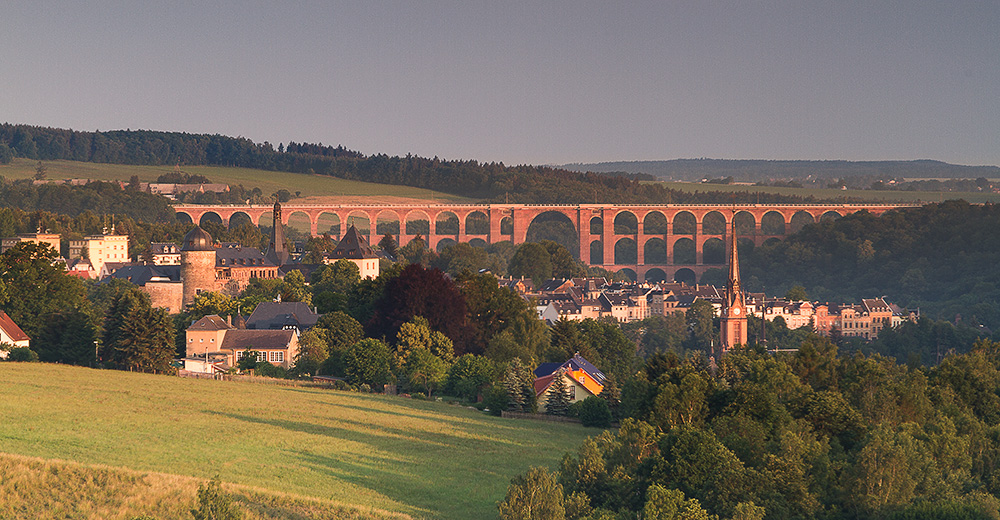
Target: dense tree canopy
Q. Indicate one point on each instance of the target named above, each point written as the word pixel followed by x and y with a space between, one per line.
pixel 418 291
pixel 804 435
pixel 34 286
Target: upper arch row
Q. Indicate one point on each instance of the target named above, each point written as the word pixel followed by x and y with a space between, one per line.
pixel 625 222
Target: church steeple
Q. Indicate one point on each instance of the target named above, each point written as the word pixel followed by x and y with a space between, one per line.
pixel 277 251
pixel 734 317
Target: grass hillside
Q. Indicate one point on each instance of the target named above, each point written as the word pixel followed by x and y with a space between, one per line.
pixel 425 459
pixel 32 488
pixel 268 181
pixel 832 194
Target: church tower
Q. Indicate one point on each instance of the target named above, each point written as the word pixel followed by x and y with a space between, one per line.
pixel 734 311
pixel 277 250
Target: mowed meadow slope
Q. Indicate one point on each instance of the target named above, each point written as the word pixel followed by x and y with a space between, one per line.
pixel 424 459
pixel 268 181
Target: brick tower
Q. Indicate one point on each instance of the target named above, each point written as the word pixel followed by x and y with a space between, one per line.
pixel 197 264
pixel 277 251
pixel 734 311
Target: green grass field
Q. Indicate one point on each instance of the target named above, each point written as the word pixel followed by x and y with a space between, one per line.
pixel 869 195
pixel 268 182
pixel 425 459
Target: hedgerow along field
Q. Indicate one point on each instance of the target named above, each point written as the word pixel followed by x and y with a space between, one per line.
pixel 268 181
pixel 421 458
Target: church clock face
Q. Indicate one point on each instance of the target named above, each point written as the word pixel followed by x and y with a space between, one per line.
pixel 736 311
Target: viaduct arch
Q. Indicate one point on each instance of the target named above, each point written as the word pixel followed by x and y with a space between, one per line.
pixel 648 228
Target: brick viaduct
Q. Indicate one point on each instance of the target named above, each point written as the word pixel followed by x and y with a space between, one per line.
pixel 661 241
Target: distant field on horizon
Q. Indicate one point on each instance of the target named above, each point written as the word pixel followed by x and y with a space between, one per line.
pixel 325 189
pixel 830 193
pixel 268 181
pixel 426 459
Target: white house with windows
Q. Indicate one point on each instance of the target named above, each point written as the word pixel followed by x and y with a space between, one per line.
pixel 11 335
pixel 215 345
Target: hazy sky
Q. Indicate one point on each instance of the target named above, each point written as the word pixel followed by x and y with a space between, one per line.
pixel 538 82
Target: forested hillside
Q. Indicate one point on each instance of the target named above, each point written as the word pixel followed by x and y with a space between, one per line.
pixel 941 258
pixel 468 178
pixel 810 435
pixel 756 170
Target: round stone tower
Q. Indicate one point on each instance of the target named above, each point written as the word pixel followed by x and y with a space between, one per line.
pixel 197 264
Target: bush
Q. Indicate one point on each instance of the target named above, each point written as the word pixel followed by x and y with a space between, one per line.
pixel 344 386
pixel 496 399
pixel 23 354
pixel 574 409
pixel 536 494
pixel 215 504
pixel 594 411
pixel 265 369
pixel 248 361
pixel 419 396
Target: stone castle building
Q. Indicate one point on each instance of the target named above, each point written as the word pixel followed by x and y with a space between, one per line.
pixel 206 266
pixel 228 268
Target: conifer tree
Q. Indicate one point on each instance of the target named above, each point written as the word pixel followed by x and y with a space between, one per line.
pixel 613 395
pixel 513 383
pixel 558 400
pixel 137 336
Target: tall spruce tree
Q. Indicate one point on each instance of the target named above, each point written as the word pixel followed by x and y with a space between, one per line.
pixel 137 336
pixel 613 395
pixel 558 400
pixel 514 384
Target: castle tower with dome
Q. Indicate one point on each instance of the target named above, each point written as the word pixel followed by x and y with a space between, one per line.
pixel 197 264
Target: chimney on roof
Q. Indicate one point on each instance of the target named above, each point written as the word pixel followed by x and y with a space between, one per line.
pixel 229 320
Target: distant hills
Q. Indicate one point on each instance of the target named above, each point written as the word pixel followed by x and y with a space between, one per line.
pixel 751 170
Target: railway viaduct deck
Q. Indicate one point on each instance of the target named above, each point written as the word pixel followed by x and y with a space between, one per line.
pixel 650 240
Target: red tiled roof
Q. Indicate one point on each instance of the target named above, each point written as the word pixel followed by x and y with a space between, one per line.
pixel 542 383
pixel 11 329
pixel 212 322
